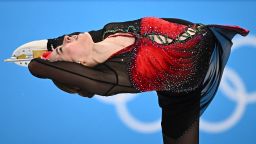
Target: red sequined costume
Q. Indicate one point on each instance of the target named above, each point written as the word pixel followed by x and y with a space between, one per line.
pixel 177 63
pixel 180 60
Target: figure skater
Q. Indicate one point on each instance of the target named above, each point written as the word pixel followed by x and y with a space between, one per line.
pixel 180 60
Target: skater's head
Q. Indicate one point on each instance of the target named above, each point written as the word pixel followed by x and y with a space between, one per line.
pixel 74 48
pixel 55 42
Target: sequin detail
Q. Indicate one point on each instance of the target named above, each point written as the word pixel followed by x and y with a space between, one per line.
pixel 179 66
pixel 165 55
pixel 164 39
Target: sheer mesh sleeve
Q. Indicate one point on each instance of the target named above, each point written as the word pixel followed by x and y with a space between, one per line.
pixel 105 79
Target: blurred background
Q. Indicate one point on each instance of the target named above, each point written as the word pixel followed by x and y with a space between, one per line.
pixel 34 111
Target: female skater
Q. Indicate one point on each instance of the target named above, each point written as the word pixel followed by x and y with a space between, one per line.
pixel 182 61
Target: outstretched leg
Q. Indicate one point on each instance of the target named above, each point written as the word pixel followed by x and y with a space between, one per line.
pixel 190 136
pixel 180 117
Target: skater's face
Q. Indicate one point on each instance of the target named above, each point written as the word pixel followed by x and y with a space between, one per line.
pixel 74 48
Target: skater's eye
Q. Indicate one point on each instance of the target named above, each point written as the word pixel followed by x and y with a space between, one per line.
pixel 59 50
